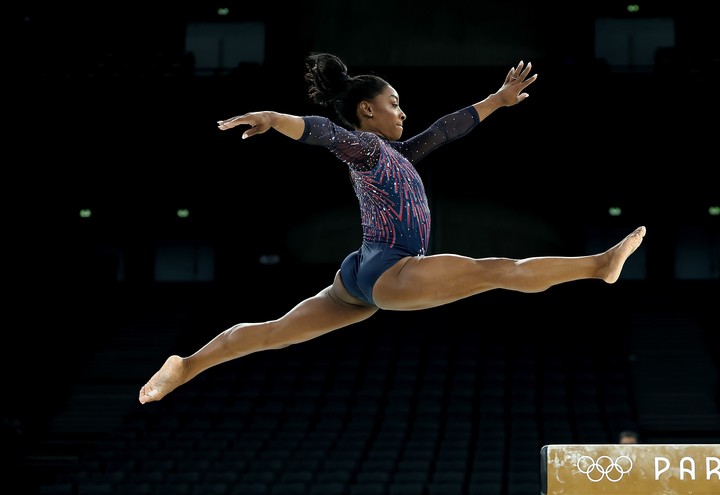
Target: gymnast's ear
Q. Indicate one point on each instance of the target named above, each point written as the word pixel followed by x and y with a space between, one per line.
pixel 365 109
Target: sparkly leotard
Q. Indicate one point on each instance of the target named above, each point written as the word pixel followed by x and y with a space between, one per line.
pixel 394 209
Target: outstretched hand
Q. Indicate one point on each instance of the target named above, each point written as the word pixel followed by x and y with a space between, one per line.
pixel 516 80
pixel 259 122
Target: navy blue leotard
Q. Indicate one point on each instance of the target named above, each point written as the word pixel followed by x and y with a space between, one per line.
pixel 394 210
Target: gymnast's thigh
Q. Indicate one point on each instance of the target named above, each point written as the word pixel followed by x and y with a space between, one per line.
pixel 421 282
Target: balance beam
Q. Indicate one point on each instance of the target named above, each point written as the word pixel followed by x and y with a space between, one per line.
pixel 631 469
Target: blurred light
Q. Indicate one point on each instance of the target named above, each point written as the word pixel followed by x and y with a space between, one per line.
pixel 183 213
pixel 633 8
pixel 714 211
pixel 85 213
pixel 223 11
pixel 269 259
pixel 615 211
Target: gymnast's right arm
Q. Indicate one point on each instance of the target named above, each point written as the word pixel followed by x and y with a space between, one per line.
pixel 291 126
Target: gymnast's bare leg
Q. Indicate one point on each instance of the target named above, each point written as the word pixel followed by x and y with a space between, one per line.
pixel 425 282
pixel 331 309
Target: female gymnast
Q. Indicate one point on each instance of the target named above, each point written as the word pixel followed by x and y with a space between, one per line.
pixel 392 269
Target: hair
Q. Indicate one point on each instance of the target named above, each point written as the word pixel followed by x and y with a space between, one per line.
pixel 329 85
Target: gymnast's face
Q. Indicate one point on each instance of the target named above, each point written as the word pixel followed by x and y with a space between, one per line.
pixel 382 114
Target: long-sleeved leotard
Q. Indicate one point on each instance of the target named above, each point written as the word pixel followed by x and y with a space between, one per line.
pixel 394 209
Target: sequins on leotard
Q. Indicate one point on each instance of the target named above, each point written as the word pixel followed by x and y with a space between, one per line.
pixel 394 207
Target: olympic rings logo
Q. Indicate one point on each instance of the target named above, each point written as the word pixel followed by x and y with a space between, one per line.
pixel 605 467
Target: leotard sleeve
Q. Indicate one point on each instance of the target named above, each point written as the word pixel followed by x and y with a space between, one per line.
pixel 442 131
pixel 359 150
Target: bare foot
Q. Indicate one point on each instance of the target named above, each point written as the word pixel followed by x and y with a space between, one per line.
pixel 167 379
pixel 621 252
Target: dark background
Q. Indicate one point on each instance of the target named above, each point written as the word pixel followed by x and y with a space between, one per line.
pixel 109 111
